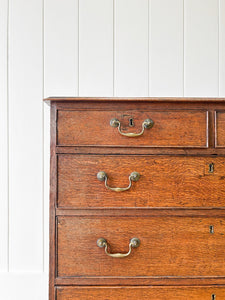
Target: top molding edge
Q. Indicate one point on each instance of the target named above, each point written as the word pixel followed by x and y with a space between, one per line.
pixel 147 99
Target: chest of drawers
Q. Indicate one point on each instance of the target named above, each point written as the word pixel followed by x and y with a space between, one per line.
pixel 137 199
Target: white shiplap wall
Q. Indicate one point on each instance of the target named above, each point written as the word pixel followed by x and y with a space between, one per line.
pixel 85 48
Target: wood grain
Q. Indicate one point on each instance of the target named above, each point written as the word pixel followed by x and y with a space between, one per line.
pixel 171 207
pixel 144 212
pixel 52 205
pixel 132 150
pixel 135 99
pixel 170 246
pixel 145 293
pixel 165 181
pixel 139 104
pixel 140 281
pixel 220 129
pixel 171 128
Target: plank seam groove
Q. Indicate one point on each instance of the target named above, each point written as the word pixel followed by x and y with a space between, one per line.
pixel 8 133
pixel 43 143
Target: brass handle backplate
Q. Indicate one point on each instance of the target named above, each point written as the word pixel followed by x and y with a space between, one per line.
pixel 134 243
pixel 147 124
pixel 102 176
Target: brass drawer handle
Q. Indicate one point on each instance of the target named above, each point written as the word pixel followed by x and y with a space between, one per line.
pixel 134 243
pixel 147 124
pixel 102 176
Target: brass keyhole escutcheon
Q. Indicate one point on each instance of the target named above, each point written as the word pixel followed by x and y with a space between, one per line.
pixel 211 167
pixel 211 229
pixel 131 122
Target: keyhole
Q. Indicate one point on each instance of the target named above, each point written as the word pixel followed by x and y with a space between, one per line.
pixel 211 168
pixel 211 229
pixel 131 122
pixel 213 297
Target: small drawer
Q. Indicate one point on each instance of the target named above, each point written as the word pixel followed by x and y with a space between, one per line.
pixel 172 128
pixel 220 129
pixel 158 246
pixel 165 181
pixel 143 293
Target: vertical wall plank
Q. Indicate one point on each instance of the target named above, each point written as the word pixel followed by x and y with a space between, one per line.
pixel 61 65
pixel 166 48
pixel 61 48
pixel 4 137
pixel 25 136
pixel 131 48
pixel 222 49
pixel 96 47
pixel 201 48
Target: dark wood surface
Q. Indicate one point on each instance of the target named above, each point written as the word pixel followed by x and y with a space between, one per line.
pixel 165 181
pixel 171 211
pixel 140 281
pixel 135 99
pixel 144 293
pixel 148 212
pixel 170 246
pixel 171 128
pixel 220 128
pixel 52 206
pixel 141 151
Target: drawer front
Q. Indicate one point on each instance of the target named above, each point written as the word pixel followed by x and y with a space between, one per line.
pixel 164 181
pixel 144 293
pixel 172 128
pixel 220 129
pixel 169 246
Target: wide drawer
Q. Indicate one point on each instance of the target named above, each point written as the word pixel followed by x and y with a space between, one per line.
pixel 169 246
pixel 144 293
pixel 172 128
pixel 165 181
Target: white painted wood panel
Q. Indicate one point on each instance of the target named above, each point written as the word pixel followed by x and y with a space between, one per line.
pixel 61 47
pixel 201 48
pixel 222 49
pixel 3 137
pixel 131 48
pixel 166 48
pixel 25 136
pixel 21 286
pixel 96 48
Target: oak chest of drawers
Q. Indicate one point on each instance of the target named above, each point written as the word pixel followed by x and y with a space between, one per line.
pixel 137 199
